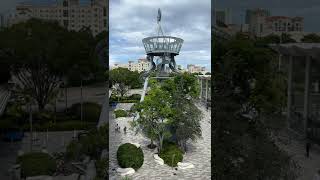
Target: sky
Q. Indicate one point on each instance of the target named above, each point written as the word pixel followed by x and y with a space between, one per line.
pixel 309 9
pixel 130 21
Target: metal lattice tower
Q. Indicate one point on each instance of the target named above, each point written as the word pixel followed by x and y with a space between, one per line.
pixel 162 48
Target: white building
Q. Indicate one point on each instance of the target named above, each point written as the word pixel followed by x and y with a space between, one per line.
pixel 71 14
pixel 191 68
pixel 283 24
pixel 141 65
pixel 261 23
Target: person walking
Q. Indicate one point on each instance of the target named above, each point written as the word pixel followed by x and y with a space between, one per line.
pixel 125 130
pixel 308 145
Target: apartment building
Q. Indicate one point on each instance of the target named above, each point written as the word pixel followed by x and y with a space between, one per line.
pixel 72 14
pixel 195 69
pixel 141 65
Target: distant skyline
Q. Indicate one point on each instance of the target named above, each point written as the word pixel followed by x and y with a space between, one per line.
pixel 131 21
pixel 8 5
pixel 308 9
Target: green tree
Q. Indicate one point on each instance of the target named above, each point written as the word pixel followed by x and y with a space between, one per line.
pixel 123 79
pixel 120 78
pixel 39 62
pixel 155 112
pixel 311 38
pixel 245 80
pixel 186 117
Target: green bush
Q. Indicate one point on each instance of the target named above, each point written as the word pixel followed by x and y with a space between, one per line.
pixel 102 166
pixel 95 141
pixel 91 111
pixel 91 144
pixel 120 113
pixel 36 163
pixel 6 123
pixel 129 156
pixel 69 125
pixel 134 98
pixel 171 154
pixel 73 151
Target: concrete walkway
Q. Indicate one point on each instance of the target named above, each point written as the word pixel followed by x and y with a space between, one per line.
pixel 309 166
pixel 199 154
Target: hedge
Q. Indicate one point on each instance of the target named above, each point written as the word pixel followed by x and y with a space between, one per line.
pixel 129 156
pixel 91 111
pixel 120 113
pixel 68 125
pixel 171 154
pixel 36 163
pixel 134 98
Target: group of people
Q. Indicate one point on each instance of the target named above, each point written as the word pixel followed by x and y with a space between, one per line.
pixel 118 129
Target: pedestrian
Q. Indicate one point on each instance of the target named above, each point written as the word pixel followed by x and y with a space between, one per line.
pixel 125 130
pixel 317 175
pixel 308 148
pixel 116 127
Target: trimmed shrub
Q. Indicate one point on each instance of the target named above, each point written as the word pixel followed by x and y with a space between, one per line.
pixel 69 125
pixel 129 156
pixel 120 113
pixel 91 111
pixel 36 163
pixel 171 154
pixel 135 97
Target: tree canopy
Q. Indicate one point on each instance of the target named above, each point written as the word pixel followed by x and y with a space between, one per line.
pixel 170 106
pixel 246 80
pixel 41 53
pixel 311 38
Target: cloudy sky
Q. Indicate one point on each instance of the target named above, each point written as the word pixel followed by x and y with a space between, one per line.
pixel 309 9
pixel 131 21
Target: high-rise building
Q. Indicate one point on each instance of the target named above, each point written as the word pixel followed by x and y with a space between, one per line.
pixel 256 19
pixel 250 13
pixel 1 21
pixel 223 16
pixel 72 14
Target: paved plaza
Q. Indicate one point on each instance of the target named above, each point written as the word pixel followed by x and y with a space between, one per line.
pixel 296 149
pixel 199 152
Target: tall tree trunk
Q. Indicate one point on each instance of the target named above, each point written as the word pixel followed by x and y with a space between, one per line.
pixel 160 142
pixel 41 106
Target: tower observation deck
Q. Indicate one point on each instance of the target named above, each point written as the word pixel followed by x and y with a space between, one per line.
pixel 163 49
